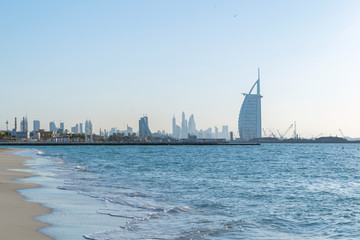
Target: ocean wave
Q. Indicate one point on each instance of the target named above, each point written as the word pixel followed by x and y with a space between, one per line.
pixel 178 210
pixel 40 153
pixel 80 168
pixel 137 194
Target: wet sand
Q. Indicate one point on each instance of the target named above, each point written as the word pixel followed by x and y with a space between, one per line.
pixel 17 216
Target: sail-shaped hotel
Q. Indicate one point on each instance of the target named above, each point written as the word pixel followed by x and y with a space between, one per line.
pixel 250 114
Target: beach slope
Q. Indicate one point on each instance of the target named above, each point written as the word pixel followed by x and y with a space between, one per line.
pixel 17 216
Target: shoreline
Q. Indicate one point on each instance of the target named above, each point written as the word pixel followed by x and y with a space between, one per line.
pixel 128 144
pixel 17 220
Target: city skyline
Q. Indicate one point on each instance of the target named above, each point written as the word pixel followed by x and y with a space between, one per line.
pixel 113 62
pixel 143 130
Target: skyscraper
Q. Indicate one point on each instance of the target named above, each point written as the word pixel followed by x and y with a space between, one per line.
pixel 175 129
pixel 192 125
pixel 184 127
pixel 144 130
pixel 81 128
pixel 88 131
pixel 24 125
pixel 36 125
pixel 52 127
pixel 249 123
pixel 62 126
pixel 225 132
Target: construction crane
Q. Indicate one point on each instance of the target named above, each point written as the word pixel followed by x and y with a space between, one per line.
pixel 295 135
pixel 264 133
pixel 282 135
pixel 341 133
pixel 319 135
pixel 272 133
pixel 287 130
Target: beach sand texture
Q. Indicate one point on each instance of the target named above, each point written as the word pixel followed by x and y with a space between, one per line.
pixel 17 216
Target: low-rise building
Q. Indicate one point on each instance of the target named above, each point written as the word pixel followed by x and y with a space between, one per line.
pixel 43 135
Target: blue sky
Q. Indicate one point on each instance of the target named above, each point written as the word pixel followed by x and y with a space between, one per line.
pixel 113 61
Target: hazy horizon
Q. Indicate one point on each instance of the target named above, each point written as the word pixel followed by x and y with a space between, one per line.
pixel 114 61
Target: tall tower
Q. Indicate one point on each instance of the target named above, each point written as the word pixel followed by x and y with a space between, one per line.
pixel 184 127
pixel 249 123
pixel 192 125
pixel 88 131
pixel 24 125
pixel 174 126
pixel 52 127
pixel 144 130
pixel 36 125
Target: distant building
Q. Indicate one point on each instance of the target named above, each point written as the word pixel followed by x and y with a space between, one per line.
pixel 62 126
pixel 184 127
pixel 225 132
pixel 144 130
pixel 81 128
pixel 36 125
pixel 52 127
pixel 62 139
pixel 22 135
pixel 88 131
pixel 129 130
pixel 249 123
pixel 42 135
pixel 208 133
pixel 24 125
pixel 175 129
pixel 75 129
pixel 112 131
pixel 192 125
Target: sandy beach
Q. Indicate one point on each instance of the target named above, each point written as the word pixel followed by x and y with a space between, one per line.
pixel 17 216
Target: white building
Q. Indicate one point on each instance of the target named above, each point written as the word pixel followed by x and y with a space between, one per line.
pixel 250 114
pixel 88 131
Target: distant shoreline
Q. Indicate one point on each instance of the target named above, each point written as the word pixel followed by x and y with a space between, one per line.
pixel 163 144
pixel 122 144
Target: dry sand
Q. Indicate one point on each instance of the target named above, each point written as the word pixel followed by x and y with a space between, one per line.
pixel 17 216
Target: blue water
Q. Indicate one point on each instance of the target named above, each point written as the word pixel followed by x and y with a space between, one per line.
pixel 272 191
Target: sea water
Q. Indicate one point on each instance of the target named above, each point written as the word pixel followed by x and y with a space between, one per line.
pixel 272 191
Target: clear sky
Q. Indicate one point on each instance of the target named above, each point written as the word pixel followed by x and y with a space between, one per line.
pixel 113 61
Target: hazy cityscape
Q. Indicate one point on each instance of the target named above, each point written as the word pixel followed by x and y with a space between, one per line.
pixel 23 130
pixel 249 130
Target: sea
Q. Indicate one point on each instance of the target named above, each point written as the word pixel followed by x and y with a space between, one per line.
pixel 271 191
